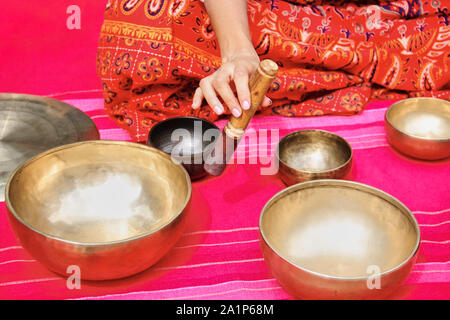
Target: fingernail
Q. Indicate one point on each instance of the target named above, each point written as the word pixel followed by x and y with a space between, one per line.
pixel 236 113
pixel 246 105
pixel 270 101
pixel 218 109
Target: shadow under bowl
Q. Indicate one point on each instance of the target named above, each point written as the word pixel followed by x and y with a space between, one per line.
pixel 111 208
pixel 187 139
pixel 336 239
pixel 419 127
pixel 313 154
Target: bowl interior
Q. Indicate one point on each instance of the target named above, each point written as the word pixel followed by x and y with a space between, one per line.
pixel 426 118
pixel 183 136
pixel 98 191
pixel 314 151
pixel 338 228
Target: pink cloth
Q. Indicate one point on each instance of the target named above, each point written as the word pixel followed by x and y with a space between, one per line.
pixel 219 256
pixel 41 55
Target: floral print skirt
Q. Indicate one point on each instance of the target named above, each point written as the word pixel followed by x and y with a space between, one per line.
pixel 334 56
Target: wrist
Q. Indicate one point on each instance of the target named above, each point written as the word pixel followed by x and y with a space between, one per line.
pixel 235 48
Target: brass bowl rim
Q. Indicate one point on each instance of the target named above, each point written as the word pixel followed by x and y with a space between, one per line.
pixel 352 185
pixel 49 100
pixel 159 124
pixel 386 118
pixel 100 142
pixel 350 158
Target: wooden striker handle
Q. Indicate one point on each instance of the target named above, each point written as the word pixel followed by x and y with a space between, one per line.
pixel 259 85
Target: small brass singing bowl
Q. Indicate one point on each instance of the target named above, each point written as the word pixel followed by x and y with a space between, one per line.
pixel 311 155
pixel 337 239
pixel 419 127
pixel 187 139
pixel 111 208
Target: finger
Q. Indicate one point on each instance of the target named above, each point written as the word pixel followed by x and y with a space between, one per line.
pixel 223 88
pixel 242 90
pixel 210 96
pixel 267 102
pixel 197 99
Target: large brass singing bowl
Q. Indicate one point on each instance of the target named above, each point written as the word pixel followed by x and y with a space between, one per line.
pixel 420 127
pixel 311 155
pixel 111 208
pixel 335 239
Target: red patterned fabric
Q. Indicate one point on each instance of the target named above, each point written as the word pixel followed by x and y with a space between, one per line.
pixel 333 55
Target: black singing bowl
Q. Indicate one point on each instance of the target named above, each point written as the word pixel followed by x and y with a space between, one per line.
pixel 187 139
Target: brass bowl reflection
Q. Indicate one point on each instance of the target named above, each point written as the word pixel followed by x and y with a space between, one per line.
pixel 420 127
pixel 311 155
pixel 111 208
pixel 335 239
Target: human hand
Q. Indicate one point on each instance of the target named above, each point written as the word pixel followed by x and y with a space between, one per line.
pixel 231 77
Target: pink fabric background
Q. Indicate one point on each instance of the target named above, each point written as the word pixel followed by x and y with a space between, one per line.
pixel 40 55
pixel 218 256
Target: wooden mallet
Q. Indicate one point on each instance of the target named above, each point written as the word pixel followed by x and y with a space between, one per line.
pixel 232 133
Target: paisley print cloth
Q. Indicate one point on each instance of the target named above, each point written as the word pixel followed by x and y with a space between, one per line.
pixel 334 56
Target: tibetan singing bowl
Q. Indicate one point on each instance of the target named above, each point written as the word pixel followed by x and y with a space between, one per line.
pixel 313 154
pixel 420 127
pixel 187 139
pixel 111 208
pixel 32 124
pixel 336 239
